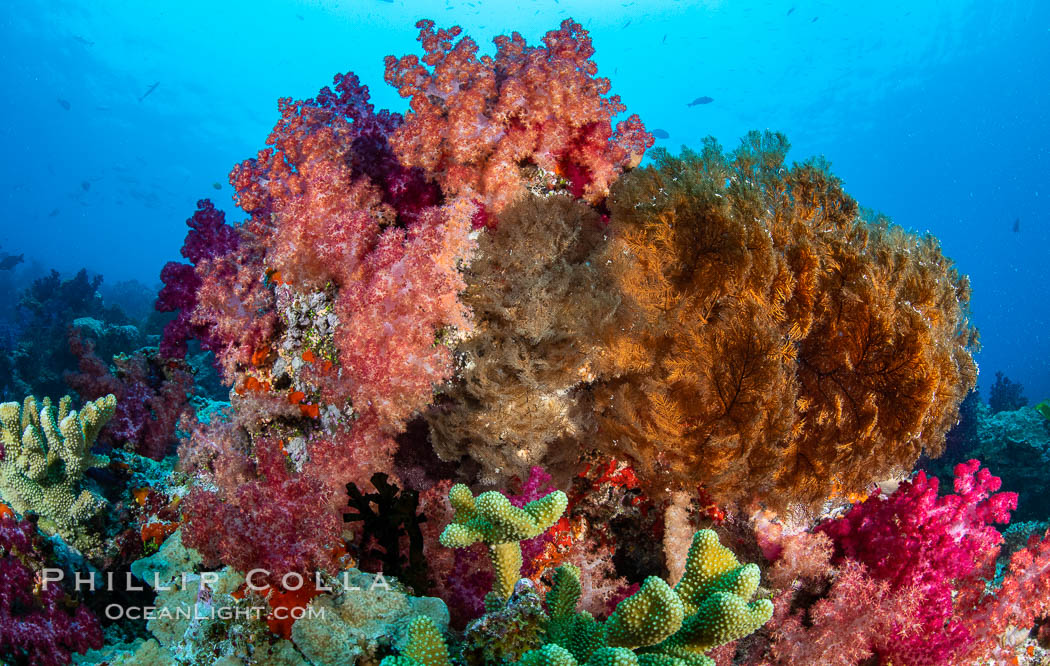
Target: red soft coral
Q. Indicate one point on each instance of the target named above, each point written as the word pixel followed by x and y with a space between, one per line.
pixel 331 206
pixel 261 514
pixel 473 121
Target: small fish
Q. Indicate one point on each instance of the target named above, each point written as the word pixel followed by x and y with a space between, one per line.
pixel 151 89
pixel 627 24
pixel 84 185
pixel 300 17
pixel 660 134
pixel 216 186
pixel 81 40
pixel 814 19
pixel 10 261
pixel 665 40
pixel 64 104
pixel 789 11
pixel 701 100
pixel 1017 225
pixel 53 213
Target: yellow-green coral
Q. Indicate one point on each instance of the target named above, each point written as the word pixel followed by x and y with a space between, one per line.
pixel 656 626
pixel 709 607
pixel 425 646
pixel 491 518
pixel 46 453
pixel 647 617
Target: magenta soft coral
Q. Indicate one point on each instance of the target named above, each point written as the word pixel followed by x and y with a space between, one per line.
pixel 473 121
pixel 915 540
pixel 261 513
pixel 209 237
pixel 38 624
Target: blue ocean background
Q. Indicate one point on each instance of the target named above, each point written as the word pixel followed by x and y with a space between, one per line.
pixel 118 116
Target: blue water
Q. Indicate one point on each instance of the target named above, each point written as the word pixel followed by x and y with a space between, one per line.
pixel 934 113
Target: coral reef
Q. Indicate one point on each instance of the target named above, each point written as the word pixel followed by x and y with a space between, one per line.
pixel 1019 443
pixel 152 395
pixel 709 607
pixel 608 414
pixel 905 577
pixel 929 544
pixel 1005 395
pixel 38 355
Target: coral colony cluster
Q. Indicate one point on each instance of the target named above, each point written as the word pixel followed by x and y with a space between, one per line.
pixel 492 392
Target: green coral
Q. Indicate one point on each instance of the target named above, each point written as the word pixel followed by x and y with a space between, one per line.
pixel 490 518
pixel 45 454
pixel 425 646
pixel 656 626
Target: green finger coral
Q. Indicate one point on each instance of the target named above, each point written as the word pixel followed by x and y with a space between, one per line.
pixel 45 454
pixel 490 518
pixel 656 626
pixel 709 607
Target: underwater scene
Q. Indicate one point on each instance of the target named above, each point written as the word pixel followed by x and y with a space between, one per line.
pixel 537 333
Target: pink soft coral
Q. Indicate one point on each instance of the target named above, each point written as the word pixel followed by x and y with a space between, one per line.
pixel 259 513
pixel 915 540
pixel 859 615
pixel 1021 600
pixel 473 121
pixel 330 205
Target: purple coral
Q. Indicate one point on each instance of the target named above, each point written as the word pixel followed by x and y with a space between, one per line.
pixel 209 237
pixel 36 624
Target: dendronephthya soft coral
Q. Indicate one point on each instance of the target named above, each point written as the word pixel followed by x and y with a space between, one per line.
pixel 474 121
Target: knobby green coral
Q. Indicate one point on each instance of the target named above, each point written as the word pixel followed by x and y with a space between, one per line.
pixel 45 455
pixel 656 626
pixel 425 646
pixel 491 518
